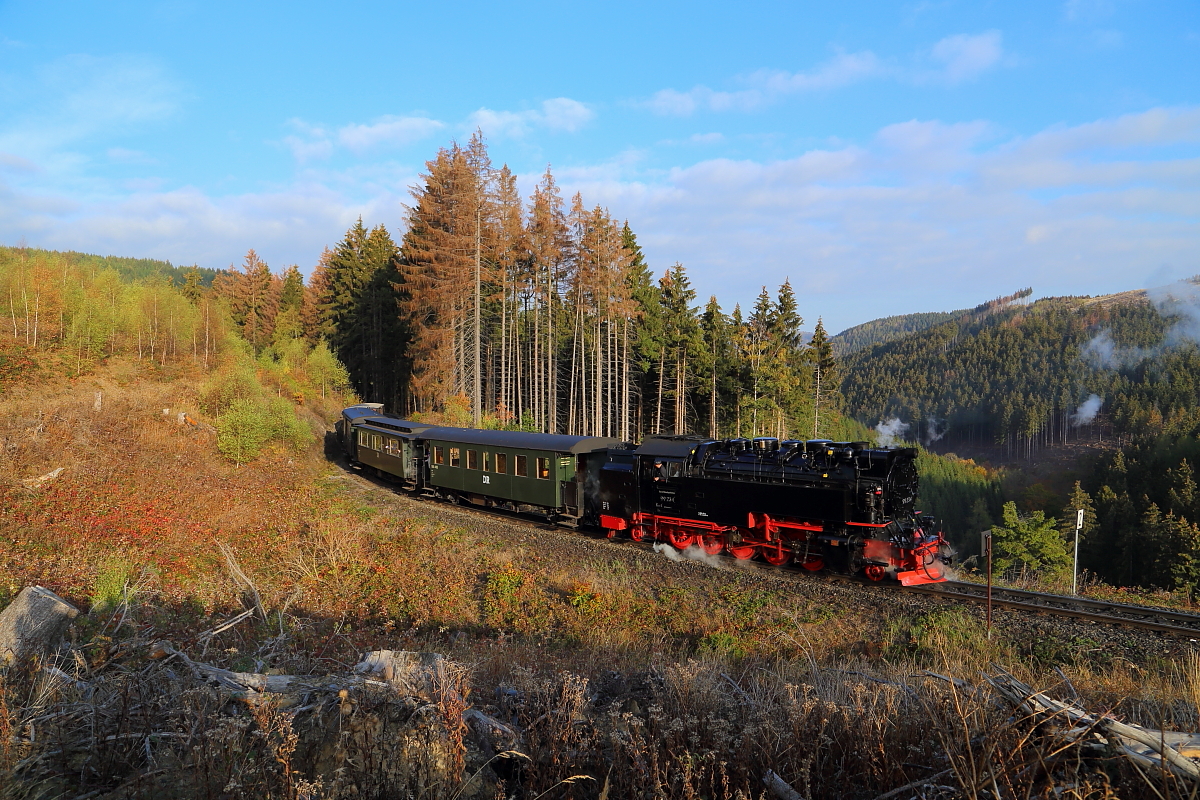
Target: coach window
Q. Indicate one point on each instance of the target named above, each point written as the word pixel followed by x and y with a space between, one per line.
pixel 376 442
pixel 393 447
pixel 362 439
pixel 543 465
pixel 502 463
pixel 439 455
pixel 455 456
pixel 487 461
pixel 522 467
pixel 472 459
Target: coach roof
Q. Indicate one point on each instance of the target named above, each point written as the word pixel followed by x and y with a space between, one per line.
pixel 393 423
pixel 521 441
pixel 363 410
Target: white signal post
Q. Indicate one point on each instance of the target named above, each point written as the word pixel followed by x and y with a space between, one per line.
pixel 1075 567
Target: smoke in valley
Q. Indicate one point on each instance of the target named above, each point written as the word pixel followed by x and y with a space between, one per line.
pixel 934 429
pixel 889 432
pixel 1179 301
pixel 1087 411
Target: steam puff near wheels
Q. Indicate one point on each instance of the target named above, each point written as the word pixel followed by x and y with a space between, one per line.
pixel 816 504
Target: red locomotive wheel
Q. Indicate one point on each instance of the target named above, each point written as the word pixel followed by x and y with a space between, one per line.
pixel 680 540
pixel 637 533
pixel 776 555
pixel 813 565
pixel 712 544
pixel 742 551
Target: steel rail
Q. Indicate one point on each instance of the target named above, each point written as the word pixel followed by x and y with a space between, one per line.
pixel 1176 623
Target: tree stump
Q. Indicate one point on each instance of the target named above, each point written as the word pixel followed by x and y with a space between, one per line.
pixel 32 623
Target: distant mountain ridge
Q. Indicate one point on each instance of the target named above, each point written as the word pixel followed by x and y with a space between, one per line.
pixel 886 329
pixel 1018 374
pixel 128 268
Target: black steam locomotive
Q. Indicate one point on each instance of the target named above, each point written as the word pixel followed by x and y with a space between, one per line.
pixel 842 506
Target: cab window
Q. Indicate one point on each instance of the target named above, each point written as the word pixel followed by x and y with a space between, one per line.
pixel 455 456
pixel 674 469
pixel 472 459
pixel 522 467
pixel 439 455
pixel 543 469
pixel 502 463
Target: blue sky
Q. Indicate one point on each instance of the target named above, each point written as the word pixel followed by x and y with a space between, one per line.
pixel 886 157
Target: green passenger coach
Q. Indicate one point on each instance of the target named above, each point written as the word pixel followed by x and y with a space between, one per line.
pixel 524 471
pixel 389 444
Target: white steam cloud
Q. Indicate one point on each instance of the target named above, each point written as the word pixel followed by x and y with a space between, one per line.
pixel 1087 411
pixel 1180 300
pixel 693 553
pixel 890 431
pixel 934 429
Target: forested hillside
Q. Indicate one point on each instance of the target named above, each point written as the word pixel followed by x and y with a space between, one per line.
pixel 1019 376
pixel 132 269
pixel 887 329
pixel 244 337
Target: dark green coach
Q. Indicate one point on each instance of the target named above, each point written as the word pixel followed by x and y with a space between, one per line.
pixel 521 470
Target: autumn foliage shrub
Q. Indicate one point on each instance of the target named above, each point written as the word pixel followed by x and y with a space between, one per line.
pixel 249 425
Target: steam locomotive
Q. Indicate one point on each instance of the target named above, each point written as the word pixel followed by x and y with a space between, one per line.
pixel 840 506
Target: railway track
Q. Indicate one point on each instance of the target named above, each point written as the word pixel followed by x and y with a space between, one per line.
pixel 1174 623
pixel 1161 620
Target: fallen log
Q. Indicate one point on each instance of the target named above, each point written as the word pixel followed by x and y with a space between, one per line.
pixel 1146 746
pixel 779 787
pixel 33 623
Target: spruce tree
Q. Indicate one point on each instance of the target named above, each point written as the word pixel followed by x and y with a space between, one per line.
pixel 648 332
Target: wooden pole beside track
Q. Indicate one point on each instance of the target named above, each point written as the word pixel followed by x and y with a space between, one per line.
pixel 987 546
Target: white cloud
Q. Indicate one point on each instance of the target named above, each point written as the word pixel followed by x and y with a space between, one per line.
pixel 922 215
pixel 1155 127
pixel 964 57
pixel 317 143
pixel 290 225
pixel 305 150
pixel 928 215
pixel 766 86
pixel 556 114
pixel 78 97
pixel 121 155
pixel 842 70
pixel 956 59
pixel 388 131
pixel 313 142
pixel 12 163
pixel 1088 10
